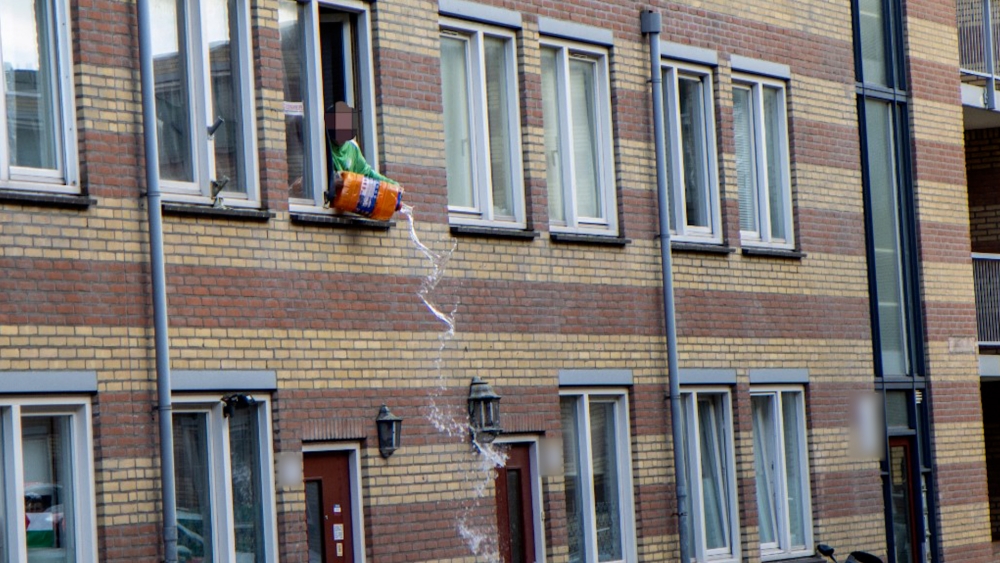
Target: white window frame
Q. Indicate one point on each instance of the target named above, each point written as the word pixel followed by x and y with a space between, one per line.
pixel 357 504
pixel 481 213
pixel 585 466
pixel 220 473
pixel 66 179
pixel 202 146
pixel 672 71
pixel 689 395
pixel 85 510
pixel 314 145
pixel 538 522
pixel 761 189
pixel 782 549
pixel 607 225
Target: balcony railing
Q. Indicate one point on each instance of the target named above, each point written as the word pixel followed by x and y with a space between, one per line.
pixel 986 272
pixel 978 33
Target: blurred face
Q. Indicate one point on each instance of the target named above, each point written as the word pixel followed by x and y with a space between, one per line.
pixel 343 129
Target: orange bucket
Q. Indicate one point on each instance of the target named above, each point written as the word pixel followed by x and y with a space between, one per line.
pixel 367 197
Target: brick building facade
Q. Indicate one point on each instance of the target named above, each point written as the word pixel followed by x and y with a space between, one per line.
pixel 522 133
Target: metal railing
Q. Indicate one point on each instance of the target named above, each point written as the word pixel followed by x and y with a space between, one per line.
pixel 986 273
pixel 978 33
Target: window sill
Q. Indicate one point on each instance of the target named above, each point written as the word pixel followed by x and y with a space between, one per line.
pixel 589 239
pixel 68 201
pixel 185 210
pixel 708 248
pixel 340 221
pixel 493 232
pixel 773 252
pixel 795 559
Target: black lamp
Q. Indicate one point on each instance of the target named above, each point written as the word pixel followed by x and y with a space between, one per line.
pixel 390 429
pixel 484 412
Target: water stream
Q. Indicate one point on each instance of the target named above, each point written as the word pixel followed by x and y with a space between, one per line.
pixel 475 524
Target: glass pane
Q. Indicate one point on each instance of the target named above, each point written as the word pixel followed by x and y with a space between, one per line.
pixel 764 464
pixel 4 545
pixel 30 85
pixel 245 464
pixel 873 59
pixel 173 102
pixel 773 112
pixel 899 470
pixel 606 493
pixel 314 521
pixel 497 89
pixel 553 135
pixel 584 125
pixel 49 498
pixel 897 413
pixel 690 95
pixel 515 516
pixel 669 132
pixel 221 28
pixel 713 472
pixel 888 266
pixel 746 164
pixel 794 429
pixel 457 133
pixel 573 479
pixel 191 474
pixel 290 27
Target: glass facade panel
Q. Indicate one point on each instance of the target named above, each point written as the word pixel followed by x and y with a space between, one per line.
pixel 691 99
pixel 553 134
pixel 886 238
pixel 245 465
pixel 30 65
pixel 49 498
pixel 773 114
pixel 873 57
pixel 497 113
pixel 583 119
pixel 746 166
pixel 573 479
pixel 173 92
pixel 290 26
pixel 606 489
pixel 221 29
pixel 195 529
pixel 457 128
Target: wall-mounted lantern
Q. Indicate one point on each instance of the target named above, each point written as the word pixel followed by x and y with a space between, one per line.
pixel 484 412
pixel 390 429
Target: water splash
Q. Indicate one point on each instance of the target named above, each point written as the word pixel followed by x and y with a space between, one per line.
pixel 475 525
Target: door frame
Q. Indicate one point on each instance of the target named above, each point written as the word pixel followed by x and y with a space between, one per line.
pixel 357 506
pixel 538 523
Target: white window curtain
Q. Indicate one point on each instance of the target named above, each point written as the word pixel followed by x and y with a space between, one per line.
pixel 497 104
pixel 457 126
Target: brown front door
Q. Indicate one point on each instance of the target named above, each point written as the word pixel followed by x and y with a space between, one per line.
pixel 515 510
pixel 328 507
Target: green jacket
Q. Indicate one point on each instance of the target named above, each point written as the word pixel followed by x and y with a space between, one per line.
pixel 347 157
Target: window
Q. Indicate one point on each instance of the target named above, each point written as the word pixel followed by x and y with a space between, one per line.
pixel 708 455
pixel 782 472
pixel 598 477
pixel 577 116
pixel 37 120
pixel 47 499
pixel 481 125
pixel 691 163
pixel 224 481
pixel 203 79
pixel 762 173
pixel 321 70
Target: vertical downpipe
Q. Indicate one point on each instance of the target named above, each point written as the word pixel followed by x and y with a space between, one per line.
pixel 159 284
pixel 651 24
